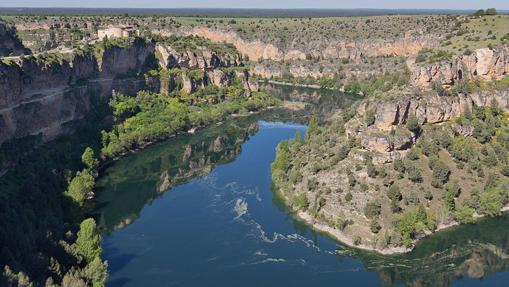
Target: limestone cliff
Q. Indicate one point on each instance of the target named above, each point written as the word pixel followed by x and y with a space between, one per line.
pixel 385 146
pixel 485 63
pixel 335 49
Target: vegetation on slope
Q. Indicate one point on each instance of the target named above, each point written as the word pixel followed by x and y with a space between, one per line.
pixel 444 178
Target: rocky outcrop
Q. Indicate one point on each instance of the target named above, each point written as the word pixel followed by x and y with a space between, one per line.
pixel 387 136
pixel 485 64
pixel 257 49
pixel 199 58
pixel 10 45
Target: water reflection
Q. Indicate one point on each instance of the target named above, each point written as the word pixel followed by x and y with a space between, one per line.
pixel 137 180
pixel 470 251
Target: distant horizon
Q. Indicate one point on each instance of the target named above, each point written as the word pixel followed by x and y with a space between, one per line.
pixel 249 8
pixel 263 4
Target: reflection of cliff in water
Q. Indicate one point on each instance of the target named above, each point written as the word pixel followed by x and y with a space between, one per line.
pixel 321 102
pixel 470 251
pixel 135 181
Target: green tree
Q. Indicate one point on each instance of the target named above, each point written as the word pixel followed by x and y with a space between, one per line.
pixel 89 160
pixel 97 272
pixel 464 214
pixel 88 243
pixel 82 184
pixel 490 202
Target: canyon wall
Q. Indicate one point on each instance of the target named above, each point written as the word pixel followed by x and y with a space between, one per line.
pixel 47 95
pixel 256 50
pixel 39 96
pixel 485 63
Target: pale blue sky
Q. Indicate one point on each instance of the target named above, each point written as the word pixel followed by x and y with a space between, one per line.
pixel 402 4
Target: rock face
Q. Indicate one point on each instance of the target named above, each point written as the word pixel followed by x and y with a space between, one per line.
pixel 10 45
pixel 387 138
pixel 41 96
pixel 256 50
pixel 45 97
pixel 485 63
pixel 199 58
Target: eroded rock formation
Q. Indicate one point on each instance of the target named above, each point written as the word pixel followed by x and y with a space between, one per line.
pixel 256 50
pixel 485 63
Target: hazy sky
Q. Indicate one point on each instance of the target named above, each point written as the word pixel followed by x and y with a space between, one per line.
pixel 408 4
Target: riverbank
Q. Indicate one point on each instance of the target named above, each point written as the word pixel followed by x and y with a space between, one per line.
pixel 317 87
pixel 344 239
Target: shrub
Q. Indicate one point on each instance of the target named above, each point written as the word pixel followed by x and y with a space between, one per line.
pixel 414 174
pixel 413 124
pixel 394 194
pixel 464 214
pixel 301 202
pixel 413 154
pixel 369 118
pixel 375 226
pixel 440 170
pixel 490 202
pixel 373 209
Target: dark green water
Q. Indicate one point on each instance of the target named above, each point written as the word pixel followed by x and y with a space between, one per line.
pixel 199 211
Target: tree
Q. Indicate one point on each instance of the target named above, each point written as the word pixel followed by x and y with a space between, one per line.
pixel 394 194
pixel 373 209
pixel 490 202
pixel 491 11
pixel 80 186
pixel 464 214
pixel 89 160
pixel 312 127
pixel 97 271
pixel 412 222
pixel 479 12
pixel 88 244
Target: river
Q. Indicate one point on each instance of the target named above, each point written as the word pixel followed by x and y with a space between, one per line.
pixel 198 210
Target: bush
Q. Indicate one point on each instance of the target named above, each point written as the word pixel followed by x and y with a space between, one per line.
pixel 373 209
pixel 301 202
pixel 490 202
pixel 394 193
pixel 414 174
pixel 375 226
pixel 413 124
pixel 413 154
pixel 369 118
pixel 440 170
pixel 464 214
